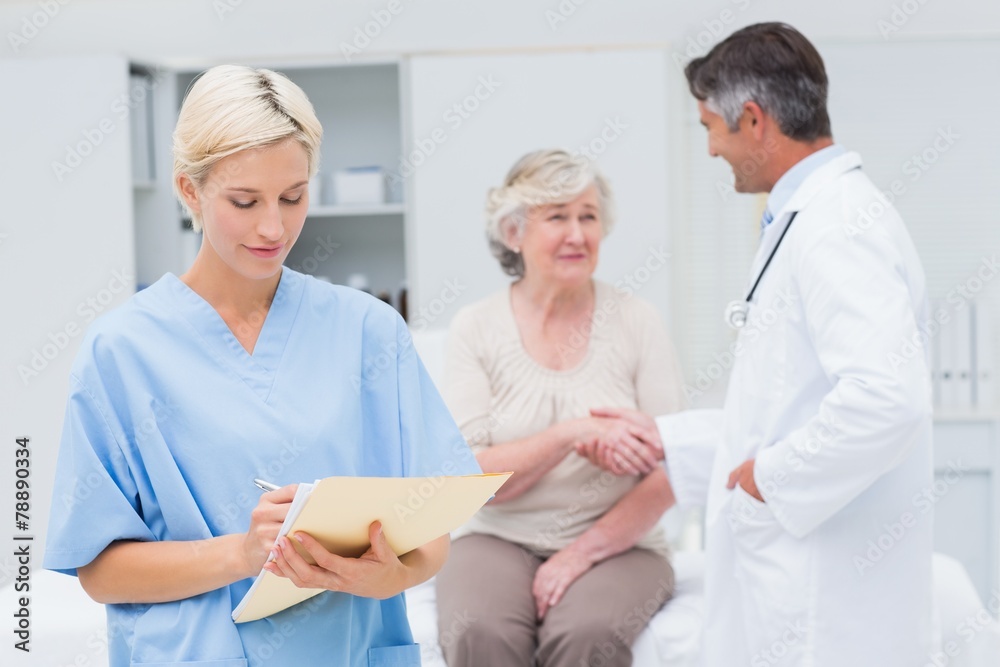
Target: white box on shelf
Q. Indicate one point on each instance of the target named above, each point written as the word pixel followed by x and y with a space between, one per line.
pixel 358 185
pixel 316 190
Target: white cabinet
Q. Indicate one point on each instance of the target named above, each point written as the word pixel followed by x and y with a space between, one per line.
pixel 359 107
pixel 966 496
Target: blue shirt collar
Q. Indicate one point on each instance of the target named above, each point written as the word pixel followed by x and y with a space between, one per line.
pixel 794 177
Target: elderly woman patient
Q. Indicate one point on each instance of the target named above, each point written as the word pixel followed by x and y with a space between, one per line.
pixel 560 567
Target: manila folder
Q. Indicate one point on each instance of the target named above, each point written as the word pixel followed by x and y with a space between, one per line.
pixel 337 511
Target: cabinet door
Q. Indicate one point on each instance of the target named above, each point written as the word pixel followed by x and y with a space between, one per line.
pixel 469 118
pixel 966 497
pixel 66 256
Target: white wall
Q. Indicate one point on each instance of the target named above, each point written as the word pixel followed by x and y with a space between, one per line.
pixel 183 29
pixel 58 270
pixel 609 106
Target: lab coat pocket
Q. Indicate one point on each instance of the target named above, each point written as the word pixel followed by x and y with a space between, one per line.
pixel 772 573
pixel 746 511
pixel 395 656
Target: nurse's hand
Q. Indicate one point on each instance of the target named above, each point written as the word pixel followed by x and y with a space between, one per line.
pixel 265 523
pixel 743 475
pixel 378 573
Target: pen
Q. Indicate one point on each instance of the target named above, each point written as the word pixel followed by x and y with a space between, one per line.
pixel 265 486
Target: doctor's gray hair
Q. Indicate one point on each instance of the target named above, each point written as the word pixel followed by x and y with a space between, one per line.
pixel 549 176
pixel 771 64
pixel 231 108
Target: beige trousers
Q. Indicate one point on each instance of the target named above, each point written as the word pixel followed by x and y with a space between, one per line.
pixel 487 617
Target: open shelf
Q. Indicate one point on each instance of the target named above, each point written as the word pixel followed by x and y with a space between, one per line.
pixel 349 211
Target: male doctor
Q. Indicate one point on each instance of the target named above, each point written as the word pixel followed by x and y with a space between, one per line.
pixel 818 553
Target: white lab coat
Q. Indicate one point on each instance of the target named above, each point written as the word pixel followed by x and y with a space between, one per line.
pixel 835 569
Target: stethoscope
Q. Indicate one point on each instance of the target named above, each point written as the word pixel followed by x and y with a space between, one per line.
pixel 738 311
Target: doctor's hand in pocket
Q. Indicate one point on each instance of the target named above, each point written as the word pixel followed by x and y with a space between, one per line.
pixel 743 475
pixel 627 442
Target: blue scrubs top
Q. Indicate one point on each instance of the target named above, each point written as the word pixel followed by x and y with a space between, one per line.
pixel 170 419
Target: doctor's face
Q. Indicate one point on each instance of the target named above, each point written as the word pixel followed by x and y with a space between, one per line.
pixel 560 241
pixel 740 149
pixel 253 206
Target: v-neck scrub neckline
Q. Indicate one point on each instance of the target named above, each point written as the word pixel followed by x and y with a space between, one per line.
pixel 257 370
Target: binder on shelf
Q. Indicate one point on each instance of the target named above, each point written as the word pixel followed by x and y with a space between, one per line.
pixel 962 359
pixel 946 360
pixel 338 511
pixel 983 360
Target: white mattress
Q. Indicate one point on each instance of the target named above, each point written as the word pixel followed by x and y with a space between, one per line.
pixel 671 639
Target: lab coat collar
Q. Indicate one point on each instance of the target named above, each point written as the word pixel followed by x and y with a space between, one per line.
pixel 791 180
pixel 811 186
pixel 816 181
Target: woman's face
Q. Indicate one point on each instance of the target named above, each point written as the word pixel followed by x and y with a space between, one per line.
pixel 253 206
pixel 560 241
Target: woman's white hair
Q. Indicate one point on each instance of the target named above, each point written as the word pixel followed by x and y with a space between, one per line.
pixel 231 108
pixel 549 176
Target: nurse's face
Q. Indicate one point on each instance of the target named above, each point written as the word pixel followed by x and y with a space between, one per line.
pixel 253 206
pixel 560 241
pixel 742 149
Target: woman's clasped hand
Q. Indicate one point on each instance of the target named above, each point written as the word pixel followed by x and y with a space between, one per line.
pixel 624 442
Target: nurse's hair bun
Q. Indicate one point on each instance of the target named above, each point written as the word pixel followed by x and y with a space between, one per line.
pixel 230 108
pixel 550 176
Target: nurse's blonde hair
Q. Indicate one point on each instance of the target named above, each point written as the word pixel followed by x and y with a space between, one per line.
pixel 230 108
pixel 549 176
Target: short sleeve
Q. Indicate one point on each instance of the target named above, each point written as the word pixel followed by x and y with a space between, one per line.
pixel 467 384
pixel 432 443
pixel 95 499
